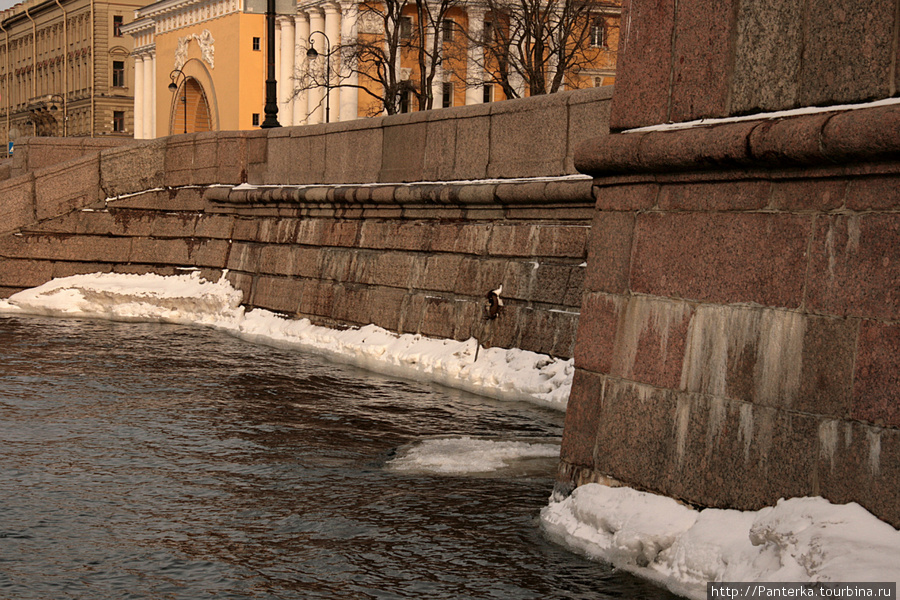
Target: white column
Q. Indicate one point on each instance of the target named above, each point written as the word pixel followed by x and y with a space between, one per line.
pixel 349 74
pixel 286 80
pixel 301 33
pixel 148 97
pixel 153 106
pixel 475 58
pixel 315 98
pixel 437 83
pixel 333 31
pixel 138 97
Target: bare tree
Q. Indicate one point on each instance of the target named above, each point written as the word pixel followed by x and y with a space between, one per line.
pixel 390 31
pixel 535 45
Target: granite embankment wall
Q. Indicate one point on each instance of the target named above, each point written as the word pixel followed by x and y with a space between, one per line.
pixel 739 339
pixel 406 221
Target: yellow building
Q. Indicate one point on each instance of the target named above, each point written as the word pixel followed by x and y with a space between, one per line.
pixel 201 64
pixel 65 69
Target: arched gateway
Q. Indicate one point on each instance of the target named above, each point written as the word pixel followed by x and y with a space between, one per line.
pixel 190 111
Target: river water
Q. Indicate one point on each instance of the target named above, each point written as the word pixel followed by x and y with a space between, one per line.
pixel 162 461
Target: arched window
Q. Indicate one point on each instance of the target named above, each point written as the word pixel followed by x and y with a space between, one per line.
pixel 598 33
pixel 190 109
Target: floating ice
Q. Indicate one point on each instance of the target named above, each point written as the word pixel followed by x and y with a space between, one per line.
pixel 508 374
pixel 463 455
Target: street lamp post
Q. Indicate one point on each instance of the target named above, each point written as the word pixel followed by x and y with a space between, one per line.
pixel 271 107
pixel 312 54
pixel 173 87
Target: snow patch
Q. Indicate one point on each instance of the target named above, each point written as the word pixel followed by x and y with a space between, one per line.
pixel 507 374
pixel 797 540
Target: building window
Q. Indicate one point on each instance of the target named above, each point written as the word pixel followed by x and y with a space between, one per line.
pixel 119 121
pixel 487 33
pixel 406 26
pixel 488 93
pixel 117 25
pixel 118 73
pixel 447 100
pixel 405 101
pixel 256 119
pixel 256 44
pixel 598 33
pixel 447 30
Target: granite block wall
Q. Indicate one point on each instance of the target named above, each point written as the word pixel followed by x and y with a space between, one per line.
pixel 370 221
pixel 739 332
pixel 682 61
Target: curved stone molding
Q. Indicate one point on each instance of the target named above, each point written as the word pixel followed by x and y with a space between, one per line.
pixel 820 139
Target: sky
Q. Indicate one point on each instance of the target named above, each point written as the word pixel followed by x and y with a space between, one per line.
pixel 4 4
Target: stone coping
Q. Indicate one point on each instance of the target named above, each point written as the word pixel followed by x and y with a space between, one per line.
pixel 805 140
pixel 526 191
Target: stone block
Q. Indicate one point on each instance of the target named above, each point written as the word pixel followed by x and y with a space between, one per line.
pixel 650 341
pixel 876 398
pixel 245 229
pixel 860 463
pixel 597 326
pixel 24 273
pixel 296 159
pixel 318 298
pixel 588 118
pixel 244 257
pixel 65 187
pixel 403 152
pixel 124 222
pixel 393 269
pixel 538 331
pixel 722 257
pixel 767 56
pixel 242 282
pixel 793 141
pixel 351 304
pixel 644 65
pixel 826 376
pixel 383 305
pixel 67 269
pixel 353 156
pixel 808 194
pixel 702 61
pixel 627 197
pixel 717 196
pixel 232 158
pixel 335 263
pixel 863 134
pixel 460 238
pixel 873 193
pixel 276 259
pixel 133 168
pixel 157 251
pixel 477 276
pixel 211 254
pixel 214 226
pixel 609 252
pixel 438 318
pixel 441 272
pixel 173 225
pixel 551 283
pixel 17 208
pixel 440 150
pixel 280 294
pixel 513 239
pixel 855 266
pixel 473 147
pixel 518 127
pixel 845 58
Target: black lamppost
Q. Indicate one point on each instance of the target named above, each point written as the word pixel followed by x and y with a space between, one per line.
pixel 312 54
pixel 271 108
pixel 173 87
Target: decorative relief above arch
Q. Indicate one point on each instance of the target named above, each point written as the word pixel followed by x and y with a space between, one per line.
pixel 207 49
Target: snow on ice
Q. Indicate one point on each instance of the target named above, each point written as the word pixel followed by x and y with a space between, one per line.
pixel 800 539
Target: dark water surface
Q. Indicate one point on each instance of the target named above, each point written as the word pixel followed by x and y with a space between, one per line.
pixel 159 461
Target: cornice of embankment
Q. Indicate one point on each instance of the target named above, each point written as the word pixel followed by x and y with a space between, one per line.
pixel 827 138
